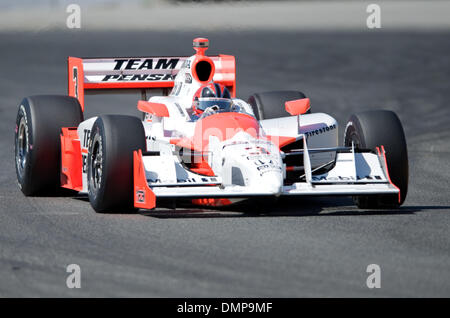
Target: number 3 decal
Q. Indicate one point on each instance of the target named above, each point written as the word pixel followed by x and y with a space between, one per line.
pixel 75 80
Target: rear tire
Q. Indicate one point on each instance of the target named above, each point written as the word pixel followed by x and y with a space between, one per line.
pixel 110 162
pixel 37 140
pixel 371 129
pixel 270 105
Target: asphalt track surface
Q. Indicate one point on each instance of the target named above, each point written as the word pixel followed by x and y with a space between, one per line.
pixel 308 247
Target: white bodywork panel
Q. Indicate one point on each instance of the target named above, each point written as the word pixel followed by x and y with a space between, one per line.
pixel 320 129
pixel 84 131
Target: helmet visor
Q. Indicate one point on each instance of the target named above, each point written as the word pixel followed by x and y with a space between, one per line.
pixel 224 104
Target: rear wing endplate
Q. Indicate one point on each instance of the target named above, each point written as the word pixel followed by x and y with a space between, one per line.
pixel 142 73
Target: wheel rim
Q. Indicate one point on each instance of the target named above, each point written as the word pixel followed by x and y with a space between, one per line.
pixel 96 166
pixel 21 146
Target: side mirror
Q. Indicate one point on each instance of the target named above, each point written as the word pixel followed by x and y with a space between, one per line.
pixel 298 106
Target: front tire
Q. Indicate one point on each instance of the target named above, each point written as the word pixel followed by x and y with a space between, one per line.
pixel 110 161
pixel 371 129
pixel 37 140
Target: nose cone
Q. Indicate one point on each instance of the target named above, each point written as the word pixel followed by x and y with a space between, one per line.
pixel 264 173
pixel 271 182
pixel 258 161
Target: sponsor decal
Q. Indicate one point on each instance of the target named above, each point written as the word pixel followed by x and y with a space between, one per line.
pixel 320 130
pixel 140 196
pixel 176 89
pixel 146 64
pixel 137 77
pixel 137 64
pixel 75 80
pixel 87 134
pixel 187 180
pixel 259 142
pixel 265 164
pixel 348 178
pixel 84 161
pixel 187 64
pixel 86 138
pixel 188 78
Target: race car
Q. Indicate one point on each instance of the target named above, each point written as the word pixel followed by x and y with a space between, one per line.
pixel 197 141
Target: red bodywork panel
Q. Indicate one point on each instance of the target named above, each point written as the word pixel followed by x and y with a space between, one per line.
pixel 223 126
pixel 76 79
pixel 298 106
pixel 156 109
pixel 71 161
pixel 144 197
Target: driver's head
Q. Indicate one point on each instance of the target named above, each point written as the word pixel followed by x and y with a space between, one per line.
pixel 212 94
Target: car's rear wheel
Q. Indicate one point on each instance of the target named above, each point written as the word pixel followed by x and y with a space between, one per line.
pixel 371 129
pixel 37 140
pixel 110 161
pixel 270 105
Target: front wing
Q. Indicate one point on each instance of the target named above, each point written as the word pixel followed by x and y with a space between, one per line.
pixel 353 173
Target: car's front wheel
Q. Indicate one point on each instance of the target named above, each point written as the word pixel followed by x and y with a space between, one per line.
pixel 371 129
pixel 110 161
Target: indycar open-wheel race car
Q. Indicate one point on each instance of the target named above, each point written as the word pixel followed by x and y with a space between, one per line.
pixel 225 151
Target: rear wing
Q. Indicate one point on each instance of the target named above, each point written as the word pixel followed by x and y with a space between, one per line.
pixel 141 73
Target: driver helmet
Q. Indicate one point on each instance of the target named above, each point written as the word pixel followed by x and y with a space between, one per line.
pixel 212 94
